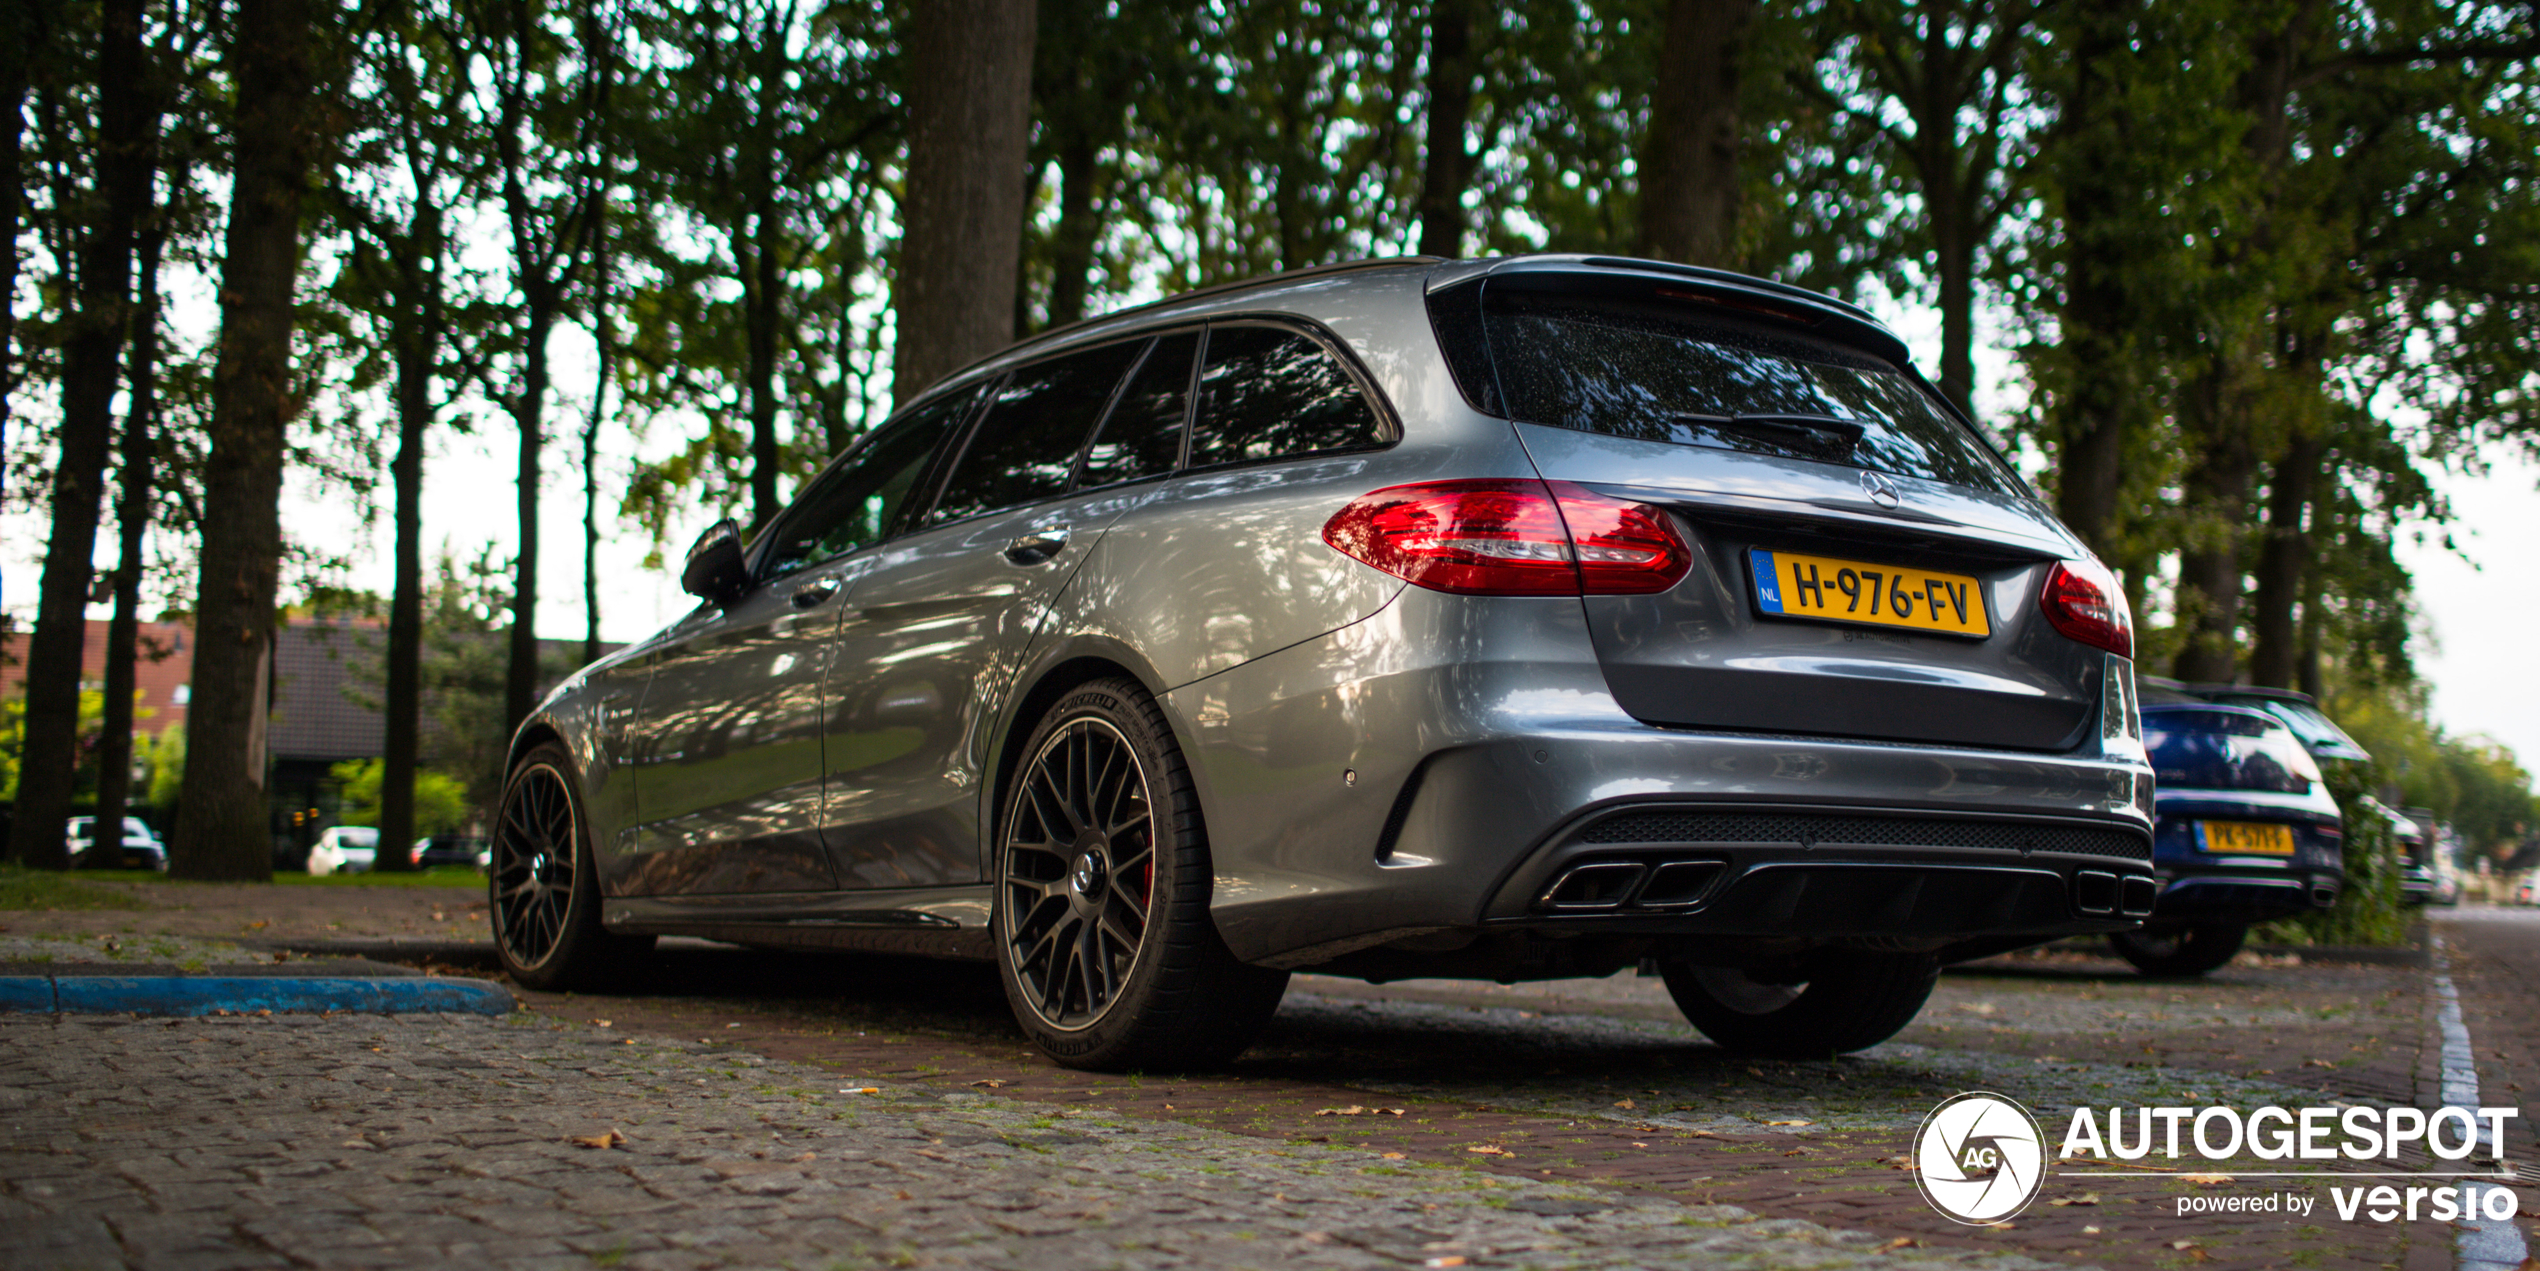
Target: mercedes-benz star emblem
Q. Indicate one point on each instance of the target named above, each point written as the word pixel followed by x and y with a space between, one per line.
pixel 1881 490
pixel 1979 1158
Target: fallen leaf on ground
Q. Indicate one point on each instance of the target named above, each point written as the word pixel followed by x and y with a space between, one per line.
pixel 1393 1156
pixel 1354 1110
pixel 860 1090
pixel 2205 1180
pixel 1796 1151
pixel 2090 1231
pixel 604 1023
pixel 609 1138
pixel 2182 1244
pixel 1455 1261
pixel 989 1082
pixel 1790 1123
pixel 2317 1063
pixel 1903 1242
pixel 2091 1199
pixel 1491 1149
pixel 1625 1104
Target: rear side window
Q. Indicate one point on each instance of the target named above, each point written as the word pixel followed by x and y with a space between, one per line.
pixel 1270 393
pixel 1143 436
pixel 1655 373
pixel 858 502
pixel 2227 749
pixel 1025 447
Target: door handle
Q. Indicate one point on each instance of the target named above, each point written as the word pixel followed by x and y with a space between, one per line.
pixel 810 594
pixel 1037 546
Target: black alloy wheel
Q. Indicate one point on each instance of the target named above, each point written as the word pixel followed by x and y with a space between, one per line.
pixel 544 886
pixel 1080 872
pixel 1103 936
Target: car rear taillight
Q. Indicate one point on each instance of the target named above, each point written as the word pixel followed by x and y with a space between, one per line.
pixel 1511 538
pixel 2083 601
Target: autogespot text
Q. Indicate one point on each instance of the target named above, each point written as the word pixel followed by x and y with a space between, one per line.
pixel 2342 1134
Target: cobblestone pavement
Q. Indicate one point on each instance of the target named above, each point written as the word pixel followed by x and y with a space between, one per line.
pixel 1597 1089
pixel 341 1142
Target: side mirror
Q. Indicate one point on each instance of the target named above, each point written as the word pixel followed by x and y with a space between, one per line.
pixel 716 570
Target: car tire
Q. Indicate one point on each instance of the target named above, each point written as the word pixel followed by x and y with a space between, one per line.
pixel 1103 938
pixel 544 891
pixel 1849 1002
pixel 2192 950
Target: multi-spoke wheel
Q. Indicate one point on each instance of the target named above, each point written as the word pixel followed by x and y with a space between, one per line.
pixel 1102 926
pixel 544 886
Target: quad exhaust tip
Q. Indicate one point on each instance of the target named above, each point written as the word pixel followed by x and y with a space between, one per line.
pixel 1608 886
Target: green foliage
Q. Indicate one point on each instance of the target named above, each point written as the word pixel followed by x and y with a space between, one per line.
pixel 441 802
pixel 24 889
pixel 2368 911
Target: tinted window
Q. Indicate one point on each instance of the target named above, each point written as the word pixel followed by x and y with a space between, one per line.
pixel 2225 749
pixel 1657 374
pixel 856 503
pixel 1025 448
pixel 1273 394
pixel 1143 436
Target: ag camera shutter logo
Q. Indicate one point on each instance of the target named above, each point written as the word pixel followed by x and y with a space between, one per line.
pixel 1979 1158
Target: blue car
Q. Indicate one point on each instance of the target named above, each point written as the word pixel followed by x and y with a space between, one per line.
pixel 2246 832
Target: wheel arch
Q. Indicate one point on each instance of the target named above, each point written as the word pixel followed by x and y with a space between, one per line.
pixel 1055 672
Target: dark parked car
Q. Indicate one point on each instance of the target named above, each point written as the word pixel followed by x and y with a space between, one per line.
pixel 2247 833
pixel 1511 619
pixel 451 849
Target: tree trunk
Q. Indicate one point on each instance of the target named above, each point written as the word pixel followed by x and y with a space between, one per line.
pixel 2209 568
pixel 604 339
pixel 418 348
pixel 132 516
pixel 520 678
pixel 92 356
pixel 23 30
pixel 2283 559
pixel 222 827
pixel 764 298
pixel 969 107
pixel 1072 245
pixel 1448 167
pixel 1688 168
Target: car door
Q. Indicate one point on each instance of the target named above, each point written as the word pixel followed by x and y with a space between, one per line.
pixel 728 743
pixel 937 627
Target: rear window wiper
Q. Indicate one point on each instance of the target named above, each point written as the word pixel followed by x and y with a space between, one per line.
pixel 1793 436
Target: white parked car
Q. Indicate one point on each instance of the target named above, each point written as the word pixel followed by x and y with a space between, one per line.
pixel 141 846
pixel 2527 892
pixel 344 849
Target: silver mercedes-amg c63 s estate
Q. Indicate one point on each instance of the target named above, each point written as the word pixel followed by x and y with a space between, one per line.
pixel 1503 619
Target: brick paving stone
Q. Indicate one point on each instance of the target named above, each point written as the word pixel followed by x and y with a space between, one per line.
pixel 1009 1182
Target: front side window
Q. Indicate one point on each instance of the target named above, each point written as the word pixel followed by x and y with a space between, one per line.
pixel 1272 393
pixel 1024 449
pixel 856 504
pixel 1659 373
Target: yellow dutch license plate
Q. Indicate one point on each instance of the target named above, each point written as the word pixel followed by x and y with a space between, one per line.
pixel 1789 585
pixel 2242 838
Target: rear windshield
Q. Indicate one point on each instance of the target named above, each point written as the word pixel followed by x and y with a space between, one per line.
pixel 1655 373
pixel 2226 749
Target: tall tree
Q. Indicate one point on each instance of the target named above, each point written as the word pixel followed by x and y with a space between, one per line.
pixel 1939 86
pixel 1689 181
pixel 547 81
pixel 276 139
pixel 1447 165
pixel 969 90
pixel 25 28
pixel 135 487
pixel 92 355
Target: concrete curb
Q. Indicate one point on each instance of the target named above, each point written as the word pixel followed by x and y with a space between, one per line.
pixel 206 994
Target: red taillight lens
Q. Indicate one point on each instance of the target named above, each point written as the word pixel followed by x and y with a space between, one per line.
pixel 2083 601
pixel 1510 538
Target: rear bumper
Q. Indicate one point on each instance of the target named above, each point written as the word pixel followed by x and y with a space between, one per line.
pixel 1393 781
pixel 2245 895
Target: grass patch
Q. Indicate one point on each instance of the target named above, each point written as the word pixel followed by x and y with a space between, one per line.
pixel 23 888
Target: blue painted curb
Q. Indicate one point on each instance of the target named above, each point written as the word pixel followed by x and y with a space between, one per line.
pixel 205 994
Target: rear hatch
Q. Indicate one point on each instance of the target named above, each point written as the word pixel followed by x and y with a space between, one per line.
pixel 1865 564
